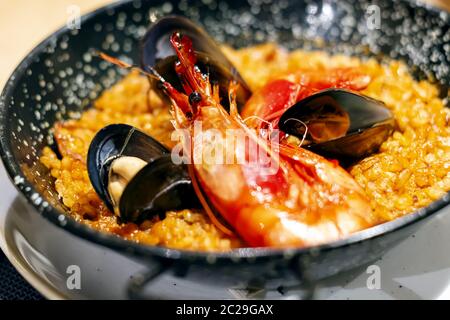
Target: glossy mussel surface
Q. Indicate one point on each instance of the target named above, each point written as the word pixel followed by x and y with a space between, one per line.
pixel 339 123
pixel 158 184
pixel 158 53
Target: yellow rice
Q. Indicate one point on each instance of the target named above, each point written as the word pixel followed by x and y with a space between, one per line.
pixel 411 170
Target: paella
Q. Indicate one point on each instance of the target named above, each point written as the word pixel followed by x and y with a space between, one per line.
pixel 316 195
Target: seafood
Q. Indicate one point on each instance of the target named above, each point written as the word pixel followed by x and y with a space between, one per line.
pixel 339 123
pixel 333 122
pixel 157 53
pixel 134 175
pixel 307 200
pixel 270 102
pixel 407 173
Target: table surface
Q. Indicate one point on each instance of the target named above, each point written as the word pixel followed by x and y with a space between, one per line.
pixel 12 285
pixel 23 24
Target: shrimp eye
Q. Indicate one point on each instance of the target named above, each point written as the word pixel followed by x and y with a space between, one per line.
pixel 195 98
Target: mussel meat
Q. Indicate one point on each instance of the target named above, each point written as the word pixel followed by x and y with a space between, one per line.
pixel 157 52
pixel 135 176
pixel 339 123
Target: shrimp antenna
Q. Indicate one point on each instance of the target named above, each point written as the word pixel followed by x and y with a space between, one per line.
pixel 156 74
pixel 269 124
pixel 125 65
pixel 234 74
pixel 304 124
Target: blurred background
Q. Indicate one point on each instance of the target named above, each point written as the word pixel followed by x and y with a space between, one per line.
pixel 24 23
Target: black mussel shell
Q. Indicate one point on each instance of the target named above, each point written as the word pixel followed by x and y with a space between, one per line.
pixel 160 186
pixel 114 141
pixel 157 52
pixel 219 75
pixel 341 123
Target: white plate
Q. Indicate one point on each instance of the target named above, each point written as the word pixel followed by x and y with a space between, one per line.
pixel 418 268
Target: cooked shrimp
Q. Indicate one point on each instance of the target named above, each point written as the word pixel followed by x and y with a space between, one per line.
pixel 270 102
pixel 295 199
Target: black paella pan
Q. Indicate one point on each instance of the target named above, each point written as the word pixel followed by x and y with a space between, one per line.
pixel 62 76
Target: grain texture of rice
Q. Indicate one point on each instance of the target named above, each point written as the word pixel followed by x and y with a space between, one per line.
pixel 411 169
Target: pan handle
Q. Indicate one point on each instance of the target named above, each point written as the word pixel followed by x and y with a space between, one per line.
pixel 135 287
pixel 301 268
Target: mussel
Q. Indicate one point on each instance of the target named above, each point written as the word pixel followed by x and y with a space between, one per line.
pixel 157 52
pixel 135 176
pixel 339 123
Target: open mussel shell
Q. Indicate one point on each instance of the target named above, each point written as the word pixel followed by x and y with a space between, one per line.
pixel 160 186
pixel 339 123
pixel 157 52
pixel 114 141
pixel 218 75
